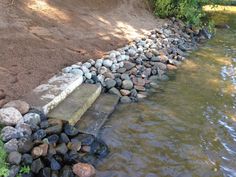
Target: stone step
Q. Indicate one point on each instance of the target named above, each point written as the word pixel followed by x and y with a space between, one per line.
pixel 76 104
pixel 47 96
pixel 92 121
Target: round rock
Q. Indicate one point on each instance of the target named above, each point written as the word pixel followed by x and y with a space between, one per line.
pixel 9 116
pixel 11 145
pixel 14 158
pixel 84 170
pixel 21 106
pixel 127 84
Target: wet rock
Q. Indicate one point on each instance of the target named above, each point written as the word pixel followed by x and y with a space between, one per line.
pixel 45 172
pixel 39 134
pixel 55 165
pixel 53 139
pixel 66 171
pixel 64 138
pixel 70 130
pixel 27 159
pixel 114 91
pixel 74 145
pixel 32 119
pixel 100 149
pixel 11 145
pixel 85 139
pixel 9 116
pixel 13 171
pixel 9 133
pixel 14 158
pixel 21 106
pixel 61 149
pixel 127 84
pixel 84 170
pixel 37 165
pixel 125 99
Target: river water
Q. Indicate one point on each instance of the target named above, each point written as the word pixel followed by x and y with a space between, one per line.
pixel 185 128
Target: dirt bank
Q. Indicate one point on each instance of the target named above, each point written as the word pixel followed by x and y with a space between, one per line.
pixel 39 37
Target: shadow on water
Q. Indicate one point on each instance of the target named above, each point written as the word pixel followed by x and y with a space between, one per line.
pixel 187 129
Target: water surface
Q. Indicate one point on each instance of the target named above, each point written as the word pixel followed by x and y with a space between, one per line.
pixel 185 128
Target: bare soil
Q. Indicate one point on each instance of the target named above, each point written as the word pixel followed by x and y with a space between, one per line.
pixel 39 37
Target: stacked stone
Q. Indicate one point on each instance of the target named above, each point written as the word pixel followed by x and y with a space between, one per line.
pixel 49 147
pixel 129 71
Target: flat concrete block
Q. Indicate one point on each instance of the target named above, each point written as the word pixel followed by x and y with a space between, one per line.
pixel 92 121
pixel 47 96
pixel 76 104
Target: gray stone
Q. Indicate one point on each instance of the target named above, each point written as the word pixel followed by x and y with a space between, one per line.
pixel 131 52
pixel 155 59
pixel 125 99
pixel 36 166
pixel 127 84
pixel 77 72
pixel 14 158
pixel 11 145
pixel 88 75
pixel 14 170
pixel 102 70
pixel 67 69
pixel 107 63
pixel 9 116
pixel 23 129
pixel 85 69
pixel 9 133
pixel 115 91
pixel 121 70
pixel 110 83
pixel 87 65
pixel 32 119
pixel 125 76
pixel 98 65
pixel 25 145
pixel 128 65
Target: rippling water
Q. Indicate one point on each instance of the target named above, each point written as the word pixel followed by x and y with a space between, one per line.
pixel 188 126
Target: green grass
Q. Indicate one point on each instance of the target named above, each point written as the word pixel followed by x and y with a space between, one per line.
pixel 4 170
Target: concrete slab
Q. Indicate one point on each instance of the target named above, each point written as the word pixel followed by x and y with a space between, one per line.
pixel 76 104
pixel 92 121
pixel 47 96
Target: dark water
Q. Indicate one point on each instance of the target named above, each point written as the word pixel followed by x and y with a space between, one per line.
pixel 188 126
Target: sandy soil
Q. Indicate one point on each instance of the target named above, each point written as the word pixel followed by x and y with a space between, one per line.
pixel 39 37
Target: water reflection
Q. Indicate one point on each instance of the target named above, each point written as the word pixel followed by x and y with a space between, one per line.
pixel 187 127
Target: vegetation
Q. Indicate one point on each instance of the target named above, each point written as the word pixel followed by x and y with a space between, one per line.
pixel 23 170
pixel 4 171
pixel 190 11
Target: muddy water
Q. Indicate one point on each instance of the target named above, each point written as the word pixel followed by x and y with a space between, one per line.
pixel 187 127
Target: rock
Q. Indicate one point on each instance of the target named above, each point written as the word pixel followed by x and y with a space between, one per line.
pixel 88 75
pixel 66 171
pixel 32 119
pixel 23 129
pixel 141 95
pixel 125 92
pixel 51 150
pixel 127 84
pixel 121 70
pixel 125 76
pixel 89 158
pixel 84 69
pixel 131 52
pixel 9 133
pixel 110 83
pixel 70 130
pixel 61 149
pixel 125 99
pixel 53 139
pixel 55 165
pixel 54 129
pixel 40 150
pixel 118 82
pixel 86 149
pixel 64 138
pixel 139 88
pixel 9 116
pixel 77 71
pixel 161 66
pixel 45 172
pixel 42 116
pixel 37 165
pixel 55 174
pixel 74 146
pixel 99 148
pixel 25 145
pixel 133 93
pixel 84 170
pixel 44 124
pixel 39 134
pixel 11 145
pixel 114 91
pixel 128 65
pixel 72 157
pixel 14 170
pixel 85 139
pixel 107 63
pixel 109 74
pixel 14 158
pixel 27 159
pixel 139 81
pixel 87 65
pixel 21 106
pixel 155 59
pixel 149 55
